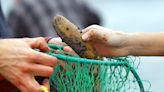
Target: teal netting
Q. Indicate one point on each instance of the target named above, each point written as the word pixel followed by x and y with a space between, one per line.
pixel 88 75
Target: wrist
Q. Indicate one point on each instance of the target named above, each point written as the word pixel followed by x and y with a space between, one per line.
pixel 146 44
pixel 127 44
pixel 119 39
pixel 130 43
pixel 120 42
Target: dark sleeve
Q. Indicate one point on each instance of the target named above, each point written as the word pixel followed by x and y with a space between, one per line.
pixel 4 29
pixel 17 23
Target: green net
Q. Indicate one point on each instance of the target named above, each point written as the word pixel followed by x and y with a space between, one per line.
pixel 89 75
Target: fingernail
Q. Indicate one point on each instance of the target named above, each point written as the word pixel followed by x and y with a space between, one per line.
pixel 85 37
pixel 47 48
pixel 48 38
pixel 55 61
pixel 67 49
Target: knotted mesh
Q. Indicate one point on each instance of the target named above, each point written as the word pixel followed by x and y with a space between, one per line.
pixel 89 75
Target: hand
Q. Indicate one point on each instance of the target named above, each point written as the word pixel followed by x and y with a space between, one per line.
pixel 19 63
pixel 58 41
pixel 106 42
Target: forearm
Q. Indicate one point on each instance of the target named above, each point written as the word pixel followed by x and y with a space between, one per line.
pixel 146 43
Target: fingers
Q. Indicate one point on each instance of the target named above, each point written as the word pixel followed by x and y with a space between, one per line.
pixel 95 33
pixel 26 83
pixel 32 85
pixel 40 70
pixel 56 40
pixel 38 42
pixel 90 27
pixel 41 58
pixel 90 34
pixel 48 38
pixel 68 49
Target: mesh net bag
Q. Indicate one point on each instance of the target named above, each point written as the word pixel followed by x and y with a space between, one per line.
pixel 90 75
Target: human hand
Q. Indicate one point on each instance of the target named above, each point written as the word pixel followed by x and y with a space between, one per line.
pixel 19 63
pixel 58 41
pixel 106 42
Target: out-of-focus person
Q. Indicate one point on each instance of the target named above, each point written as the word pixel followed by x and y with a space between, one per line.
pixel 31 18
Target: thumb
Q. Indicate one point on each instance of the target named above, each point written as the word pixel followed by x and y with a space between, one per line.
pixel 88 35
pixel 91 35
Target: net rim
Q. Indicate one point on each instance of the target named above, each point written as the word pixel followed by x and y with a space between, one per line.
pixel 93 61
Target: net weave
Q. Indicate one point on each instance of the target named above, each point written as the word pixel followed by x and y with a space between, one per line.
pixel 89 75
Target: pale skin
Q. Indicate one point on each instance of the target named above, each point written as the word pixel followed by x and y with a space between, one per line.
pixel 108 42
pixel 19 62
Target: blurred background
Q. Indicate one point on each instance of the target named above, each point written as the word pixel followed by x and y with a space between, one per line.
pixel 124 15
